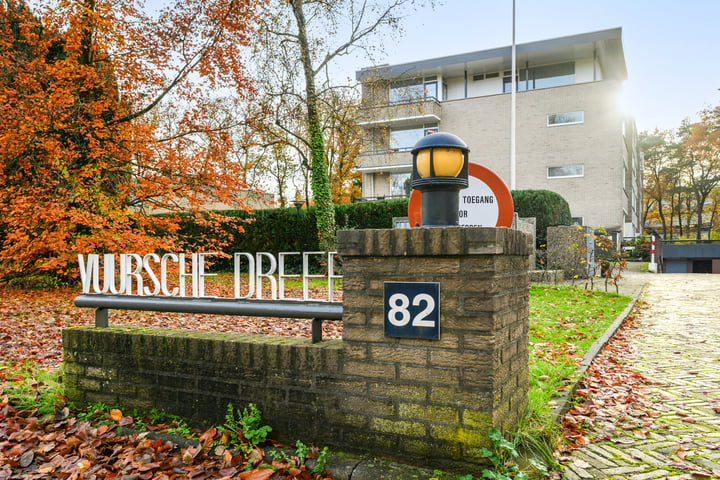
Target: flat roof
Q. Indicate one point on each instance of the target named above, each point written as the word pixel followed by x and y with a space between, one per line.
pixel 606 44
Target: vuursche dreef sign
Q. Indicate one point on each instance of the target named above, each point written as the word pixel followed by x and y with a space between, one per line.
pixel 183 275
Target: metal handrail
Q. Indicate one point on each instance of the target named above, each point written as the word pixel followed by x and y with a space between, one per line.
pixel 315 310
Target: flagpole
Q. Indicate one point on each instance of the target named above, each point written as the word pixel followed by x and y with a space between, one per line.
pixel 513 104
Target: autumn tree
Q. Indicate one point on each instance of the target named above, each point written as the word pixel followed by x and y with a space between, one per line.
pixel 682 174
pixel 344 141
pixel 701 152
pixel 661 173
pixel 84 160
pixel 304 37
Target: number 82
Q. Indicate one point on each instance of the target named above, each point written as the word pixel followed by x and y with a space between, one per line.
pixel 399 313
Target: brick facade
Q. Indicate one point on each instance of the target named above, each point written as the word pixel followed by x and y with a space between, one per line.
pixel 603 178
pixel 421 401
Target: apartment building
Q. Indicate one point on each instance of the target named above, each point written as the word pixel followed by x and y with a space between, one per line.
pixel 572 136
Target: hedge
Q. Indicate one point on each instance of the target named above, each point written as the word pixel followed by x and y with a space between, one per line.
pixel 291 230
pixel 549 209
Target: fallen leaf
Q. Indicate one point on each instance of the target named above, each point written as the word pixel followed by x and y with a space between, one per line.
pixel 680 466
pixel 115 415
pixel 581 464
pixel 189 454
pixel 701 474
pixel 208 435
pixel 259 474
pixel 83 464
pixel 681 453
pixel 27 458
pixel 124 421
pixel 228 471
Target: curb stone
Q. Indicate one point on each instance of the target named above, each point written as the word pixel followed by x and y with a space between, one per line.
pixel 342 468
pixel 563 401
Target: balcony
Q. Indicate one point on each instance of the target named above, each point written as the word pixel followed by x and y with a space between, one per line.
pixel 402 113
pixel 386 160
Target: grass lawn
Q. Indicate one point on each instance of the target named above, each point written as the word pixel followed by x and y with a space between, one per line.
pixel 564 323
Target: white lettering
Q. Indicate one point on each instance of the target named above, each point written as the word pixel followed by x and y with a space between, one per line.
pixel 281 273
pixel 89 272
pixel 251 274
pixel 109 275
pixel 201 274
pixel 163 274
pixel 139 274
pixel 259 275
pixel 306 275
pixel 149 270
pixel 182 273
pixel 128 273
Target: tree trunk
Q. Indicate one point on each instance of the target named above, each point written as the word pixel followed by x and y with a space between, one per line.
pixel 325 212
pixel 701 201
pixel 662 219
pixel 86 56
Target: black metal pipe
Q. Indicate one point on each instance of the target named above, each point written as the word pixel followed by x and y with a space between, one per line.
pixel 317 311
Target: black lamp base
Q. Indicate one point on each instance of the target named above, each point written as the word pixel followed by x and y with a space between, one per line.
pixel 440 207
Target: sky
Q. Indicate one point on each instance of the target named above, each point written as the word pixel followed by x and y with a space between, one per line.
pixel 672 47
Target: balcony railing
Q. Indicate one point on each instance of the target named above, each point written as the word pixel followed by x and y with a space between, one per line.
pixel 378 197
pixel 427 110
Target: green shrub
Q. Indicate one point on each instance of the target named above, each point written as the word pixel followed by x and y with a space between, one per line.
pixel 370 214
pixel 549 209
pixel 291 230
pixel 640 247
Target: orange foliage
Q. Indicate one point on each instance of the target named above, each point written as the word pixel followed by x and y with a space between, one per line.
pixel 84 157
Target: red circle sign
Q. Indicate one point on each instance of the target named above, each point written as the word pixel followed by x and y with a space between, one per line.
pixel 486 202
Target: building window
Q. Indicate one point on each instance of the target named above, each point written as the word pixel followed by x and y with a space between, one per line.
pixel 400 184
pixel 406 138
pixel 546 76
pixel 565 118
pixel 578 221
pixel 414 89
pixel 566 171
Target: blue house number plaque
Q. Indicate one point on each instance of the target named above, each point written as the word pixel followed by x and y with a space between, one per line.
pixel 412 309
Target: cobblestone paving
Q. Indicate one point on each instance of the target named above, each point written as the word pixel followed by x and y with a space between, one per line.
pixel 677 347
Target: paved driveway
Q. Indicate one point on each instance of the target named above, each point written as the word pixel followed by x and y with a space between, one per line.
pixel 677 347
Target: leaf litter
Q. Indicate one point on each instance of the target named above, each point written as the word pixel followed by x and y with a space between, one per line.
pixel 61 446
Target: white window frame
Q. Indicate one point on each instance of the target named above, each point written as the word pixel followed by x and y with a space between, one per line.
pixel 582 118
pixel 581 165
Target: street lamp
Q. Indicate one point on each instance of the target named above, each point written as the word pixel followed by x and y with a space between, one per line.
pixel 298 202
pixel 440 171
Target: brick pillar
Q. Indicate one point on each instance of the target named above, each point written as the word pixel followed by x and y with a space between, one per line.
pixel 570 249
pixel 434 401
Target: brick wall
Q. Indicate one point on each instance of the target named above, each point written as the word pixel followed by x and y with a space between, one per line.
pixel 424 401
pixel 196 374
pixel 570 249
